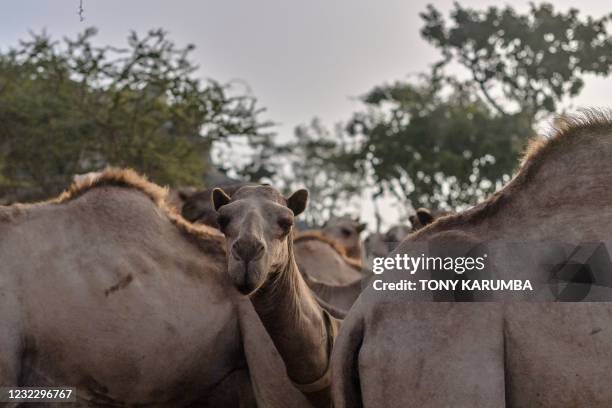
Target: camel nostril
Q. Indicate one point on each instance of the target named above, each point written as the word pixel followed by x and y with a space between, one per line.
pixel 236 252
pixel 258 250
pixel 247 250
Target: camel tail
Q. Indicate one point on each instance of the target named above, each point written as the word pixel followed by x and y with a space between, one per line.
pixel 346 387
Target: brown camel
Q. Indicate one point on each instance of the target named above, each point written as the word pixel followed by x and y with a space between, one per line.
pixel 400 349
pixel 380 245
pixel 198 208
pixel 422 218
pixel 324 260
pixel 177 196
pixel 257 222
pixel 107 290
pixel 346 232
pixel 338 297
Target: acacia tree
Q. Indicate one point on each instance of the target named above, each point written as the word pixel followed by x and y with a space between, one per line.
pixel 72 107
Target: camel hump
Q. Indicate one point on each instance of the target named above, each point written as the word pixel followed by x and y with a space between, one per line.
pixel 114 177
pixel 128 178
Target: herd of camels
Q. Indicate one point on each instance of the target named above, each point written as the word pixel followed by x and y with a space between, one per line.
pixel 222 303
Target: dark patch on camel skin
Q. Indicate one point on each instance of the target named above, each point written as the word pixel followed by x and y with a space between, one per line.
pixel 123 282
pixel 29 353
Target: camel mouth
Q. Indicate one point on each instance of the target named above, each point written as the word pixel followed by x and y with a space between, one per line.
pixel 244 288
pixel 244 276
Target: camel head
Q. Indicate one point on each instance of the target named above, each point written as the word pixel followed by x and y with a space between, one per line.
pixel 376 246
pixel 422 218
pixel 197 206
pixel 346 232
pixel 257 223
pixel 397 233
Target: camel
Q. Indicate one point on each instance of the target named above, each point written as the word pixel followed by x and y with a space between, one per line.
pixel 324 260
pixel 197 206
pixel 380 245
pixel 346 232
pixel 340 298
pixel 178 195
pixel 422 218
pixel 107 290
pixel 335 279
pixel 425 349
pixel 257 222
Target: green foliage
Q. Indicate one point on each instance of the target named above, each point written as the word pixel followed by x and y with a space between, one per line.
pixel 529 61
pixel 433 145
pixel 445 143
pixel 313 160
pixel 72 107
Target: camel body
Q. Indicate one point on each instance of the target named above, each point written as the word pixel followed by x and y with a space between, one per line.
pixel 104 290
pixel 511 349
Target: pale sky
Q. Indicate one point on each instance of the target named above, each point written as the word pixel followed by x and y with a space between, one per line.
pixel 300 58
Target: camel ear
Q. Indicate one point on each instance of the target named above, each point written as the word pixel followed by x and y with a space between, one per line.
pixel 424 215
pixel 297 202
pixel 413 220
pixel 219 198
pixel 361 227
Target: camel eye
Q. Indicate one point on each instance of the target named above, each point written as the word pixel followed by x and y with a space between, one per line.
pixel 346 232
pixel 223 221
pixel 285 223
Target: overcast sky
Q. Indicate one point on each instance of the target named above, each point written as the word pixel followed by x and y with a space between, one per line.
pixel 300 58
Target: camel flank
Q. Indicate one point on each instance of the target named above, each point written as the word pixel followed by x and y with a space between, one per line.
pixel 517 349
pixel 316 235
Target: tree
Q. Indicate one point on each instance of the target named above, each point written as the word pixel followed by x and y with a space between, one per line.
pixel 445 142
pixel 71 107
pixel 522 62
pixel 434 143
pixel 313 160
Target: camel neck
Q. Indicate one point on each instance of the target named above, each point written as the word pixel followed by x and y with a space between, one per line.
pixel 295 322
